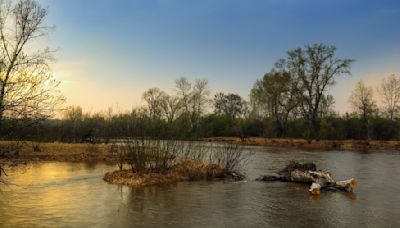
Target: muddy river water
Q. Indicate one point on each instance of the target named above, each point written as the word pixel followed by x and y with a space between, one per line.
pixel 74 195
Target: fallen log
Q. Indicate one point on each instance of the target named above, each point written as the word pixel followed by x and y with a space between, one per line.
pixel 308 174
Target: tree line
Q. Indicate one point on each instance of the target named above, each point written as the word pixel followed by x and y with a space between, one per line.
pixel 192 113
pixel 290 100
pixel 295 92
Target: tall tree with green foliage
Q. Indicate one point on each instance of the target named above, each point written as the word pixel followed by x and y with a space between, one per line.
pixel 231 105
pixel 275 93
pixel 315 69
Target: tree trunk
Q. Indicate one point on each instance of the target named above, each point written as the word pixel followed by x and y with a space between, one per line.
pixel 308 174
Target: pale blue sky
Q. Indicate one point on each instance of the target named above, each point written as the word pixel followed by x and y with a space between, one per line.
pixel 110 51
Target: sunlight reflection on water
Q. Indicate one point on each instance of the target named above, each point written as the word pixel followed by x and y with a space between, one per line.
pixel 71 194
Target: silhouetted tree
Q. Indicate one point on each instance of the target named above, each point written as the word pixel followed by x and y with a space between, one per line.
pixel 27 88
pixel 315 69
pixel 193 100
pixel 363 104
pixel 232 105
pixel 155 99
pixel 276 94
pixel 390 93
pixel 171 106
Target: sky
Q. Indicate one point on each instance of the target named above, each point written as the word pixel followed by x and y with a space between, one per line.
pixel 110 51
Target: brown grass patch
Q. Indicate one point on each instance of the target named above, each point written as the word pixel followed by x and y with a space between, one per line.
pixel 127 177
pixel 24 152
pixel 188 170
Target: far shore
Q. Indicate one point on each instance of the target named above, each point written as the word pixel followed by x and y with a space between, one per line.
pixel 310 144
pixel 85 152
pixel 31 152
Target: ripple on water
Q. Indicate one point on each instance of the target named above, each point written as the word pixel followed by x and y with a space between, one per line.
pixel 70 194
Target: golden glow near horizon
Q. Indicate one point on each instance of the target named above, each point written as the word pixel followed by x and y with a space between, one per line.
pixel 81 88
pixel 109 57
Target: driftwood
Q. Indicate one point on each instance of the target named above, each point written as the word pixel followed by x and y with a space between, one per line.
pixel 2 171
pixel 308 174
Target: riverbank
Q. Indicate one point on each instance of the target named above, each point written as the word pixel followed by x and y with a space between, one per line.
pixel 28 152
pixel 311 144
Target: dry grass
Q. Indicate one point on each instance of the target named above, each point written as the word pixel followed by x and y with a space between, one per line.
pixel 187 170
pixel 127 177
pixel 23 152
pixel 311 144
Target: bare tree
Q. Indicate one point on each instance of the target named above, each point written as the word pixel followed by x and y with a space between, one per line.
pixel 193 98
pixel 183 89
pixel 231 158
pixel 27 88
pixel 363 103
pixel 154 98
pixel 171 107
pixel 389 91
pixel 161 104
pixel 199 100
pixel 326 106
pixel 315 69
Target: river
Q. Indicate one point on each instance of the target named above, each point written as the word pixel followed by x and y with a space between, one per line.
pixel 74 195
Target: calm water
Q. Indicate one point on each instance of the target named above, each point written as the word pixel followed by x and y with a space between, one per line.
pixel 64 194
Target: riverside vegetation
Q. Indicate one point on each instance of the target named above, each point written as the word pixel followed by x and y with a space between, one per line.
pixel 144 162
pixel 141 162
pixel 292 100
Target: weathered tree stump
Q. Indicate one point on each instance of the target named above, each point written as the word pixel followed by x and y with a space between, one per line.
pixel 308 174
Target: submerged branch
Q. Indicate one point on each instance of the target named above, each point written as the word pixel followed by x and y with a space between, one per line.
pixel 307 173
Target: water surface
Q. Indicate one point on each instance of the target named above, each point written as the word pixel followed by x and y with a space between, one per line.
pixel 70 194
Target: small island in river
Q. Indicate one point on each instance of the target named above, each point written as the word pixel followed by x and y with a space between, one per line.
pixel 141 162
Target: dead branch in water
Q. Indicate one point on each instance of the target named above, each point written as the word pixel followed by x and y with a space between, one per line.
pixel 307 173
pixel 2 171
